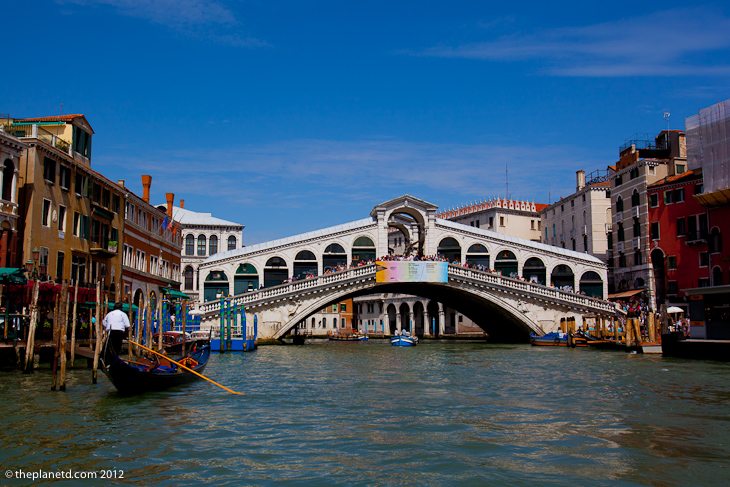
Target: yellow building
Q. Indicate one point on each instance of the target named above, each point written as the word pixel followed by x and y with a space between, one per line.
pixel 71 216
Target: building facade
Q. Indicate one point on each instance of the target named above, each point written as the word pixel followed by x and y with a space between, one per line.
pixel 708 147
pixel 151 247
pixel 582 220
pixel 204 235
pixel 519 219
pixel 71 217
pixel 641 164
pixel 11 149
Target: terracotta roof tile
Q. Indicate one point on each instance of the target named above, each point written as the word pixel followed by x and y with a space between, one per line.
pixel 56 118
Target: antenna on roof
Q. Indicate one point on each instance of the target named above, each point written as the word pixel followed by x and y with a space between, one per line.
pixel 506 181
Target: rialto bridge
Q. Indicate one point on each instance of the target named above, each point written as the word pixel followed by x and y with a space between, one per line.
pixel 509 286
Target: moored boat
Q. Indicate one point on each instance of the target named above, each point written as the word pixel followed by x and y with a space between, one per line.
pixel 352 337
pixel 404 340
pixel 143 375
pixel 552 339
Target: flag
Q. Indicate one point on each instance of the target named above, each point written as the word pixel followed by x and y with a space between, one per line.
pixel 165 223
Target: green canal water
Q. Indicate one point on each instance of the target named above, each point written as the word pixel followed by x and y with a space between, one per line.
pixel 369 414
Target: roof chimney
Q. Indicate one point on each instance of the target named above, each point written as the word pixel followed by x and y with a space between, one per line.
pixel 580 179
pixel 120 182
pixel 182 203
pixel 170 199
pixel 146 183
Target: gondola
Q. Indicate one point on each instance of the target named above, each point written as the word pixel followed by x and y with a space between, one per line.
pixel 144 375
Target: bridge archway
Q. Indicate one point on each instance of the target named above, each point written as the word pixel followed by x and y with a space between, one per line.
pixel 506 263
pixel 216 282
pixel 591 284
pixel 534 271
pixel 499 319
pixel 305 263
pixel 419 324
pixel 405 317
pixel 433 318
pixel 449 249
pixel 409 220
pixel 562 277
pixel 478 256
pixel 334 255
pixel 275 272
pixel 246 279
pixel 363 249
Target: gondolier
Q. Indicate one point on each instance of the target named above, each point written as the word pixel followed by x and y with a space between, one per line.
pixel 116 325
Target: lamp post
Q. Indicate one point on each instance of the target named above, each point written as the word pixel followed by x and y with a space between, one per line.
pixel 31 265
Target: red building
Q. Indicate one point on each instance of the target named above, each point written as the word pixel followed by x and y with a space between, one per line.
pixel 678 236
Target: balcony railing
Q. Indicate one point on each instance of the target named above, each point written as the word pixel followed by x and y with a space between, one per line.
pixel 35 131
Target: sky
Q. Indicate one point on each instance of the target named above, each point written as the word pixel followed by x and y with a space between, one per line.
pixel 289 116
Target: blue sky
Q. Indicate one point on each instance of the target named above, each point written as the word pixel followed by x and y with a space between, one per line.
pixel 291 116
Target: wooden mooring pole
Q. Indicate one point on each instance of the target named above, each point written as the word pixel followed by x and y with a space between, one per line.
pixel 74 321
pixel 30 342
pixel 56 340
pixel 97 348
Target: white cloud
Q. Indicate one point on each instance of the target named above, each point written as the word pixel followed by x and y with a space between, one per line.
pixel 660 44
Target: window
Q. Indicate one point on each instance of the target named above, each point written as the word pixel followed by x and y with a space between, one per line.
pixel 59 266
pixel 715 242
pixel 115 204
pixel 637 228
pixel 637 257
pixel 620 235
pixel 532 224
pixel 231 243
pixel 621 260
pixel 634 173
pixel 572 243
pixel 619 204
pixel 82 142
pixel 671 262
pixel 654 200
pixel 654 230
pixel 44 261
pixel 704 259
pixel 702 222
pixel 635 200
pixel 667 197
pixel 77 224
pixel 64 177
pixel 106 198
pixel 680 168
pixel 585 243
pixel 572 203
pixel 672 287
pixel 584 197
pixel 618 181
pixel 46 218
pixel 703 282
pixel 201 244
pixel 334 308
pixel 189 245
pixel 691 228
pixel 491 220
pixel 213 244
pixel 681 227
pixel 477 224
pixel 78 268
pixel 61 218
pixel 49 170
pixel 343 307
pixel 699 188
pixel 85 227
pixel 501 221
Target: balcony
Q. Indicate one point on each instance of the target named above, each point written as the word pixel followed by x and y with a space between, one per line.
pixel 109 249
pixel 34 131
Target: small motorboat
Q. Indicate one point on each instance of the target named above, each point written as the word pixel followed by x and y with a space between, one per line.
pixel 351 337
pixel 403 339
pixel 552 339
pixel 141 374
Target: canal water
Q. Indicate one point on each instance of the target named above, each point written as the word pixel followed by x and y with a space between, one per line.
pixel 371 414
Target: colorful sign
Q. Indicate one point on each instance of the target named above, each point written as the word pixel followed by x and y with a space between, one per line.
pixel 411 271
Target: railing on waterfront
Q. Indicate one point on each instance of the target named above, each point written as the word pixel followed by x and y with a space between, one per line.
pixel 367 272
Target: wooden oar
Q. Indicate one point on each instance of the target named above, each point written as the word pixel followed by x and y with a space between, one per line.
pixel 187 368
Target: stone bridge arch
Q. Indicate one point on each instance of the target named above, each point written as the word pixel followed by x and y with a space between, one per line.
pixel 500 319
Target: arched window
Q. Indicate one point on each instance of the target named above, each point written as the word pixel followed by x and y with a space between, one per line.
pixel 213 244
pixel 591 284
pixel 478 256
pixel 620 232
pixel 246 279
pixel 637 228
pixel 201 245
pixel 216 283
pixel 8 173
pixel 635 200
pixel 619 204
pixel 363 249
pixel 275 272
pixel 506 263
pixel 449 249
pixel 188 273
pixel 189 244
pixel 715 242
pixel 334 255
pixel 562 277
pixel 231 243
pixel 305 264
pixel 717 276
pixel 534 271
pixel 324 322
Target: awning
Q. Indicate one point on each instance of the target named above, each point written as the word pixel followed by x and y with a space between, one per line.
pixel 12 275
pixel 626 294
pixel 174 293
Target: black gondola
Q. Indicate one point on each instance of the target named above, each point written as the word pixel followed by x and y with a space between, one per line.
pixel 144 375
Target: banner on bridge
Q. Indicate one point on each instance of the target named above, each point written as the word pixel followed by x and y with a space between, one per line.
pixel 411 271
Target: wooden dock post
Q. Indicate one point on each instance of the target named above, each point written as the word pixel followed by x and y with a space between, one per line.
pixel 159 323
pixel 30 342
pixel 652 327
pixel 56 340
pixel 97 347
pixel 65 296
pixel 148 314
pixel 74 321
pixel 130 352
